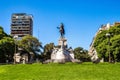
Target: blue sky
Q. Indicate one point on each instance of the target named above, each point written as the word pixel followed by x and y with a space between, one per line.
pixel 81 18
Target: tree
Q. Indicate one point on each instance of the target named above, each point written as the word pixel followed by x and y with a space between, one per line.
pixel 104 48
pixel 115 47
pixel 7 46
pixel 7 49
pixel 30 44
pixel 81 54
pixel 48 50
pixel 2 33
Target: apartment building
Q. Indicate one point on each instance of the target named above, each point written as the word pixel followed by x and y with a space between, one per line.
pixel 21 24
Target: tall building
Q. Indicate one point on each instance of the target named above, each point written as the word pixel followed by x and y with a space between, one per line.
pixel 21 24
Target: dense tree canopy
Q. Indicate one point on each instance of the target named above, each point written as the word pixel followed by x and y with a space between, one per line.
pixel 104 46
pixel 2 33
pixel 7 46
pixel 81 54
pixel 30 44
pixel 48 50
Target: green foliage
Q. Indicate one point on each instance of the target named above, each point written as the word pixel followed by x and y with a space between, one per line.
pixel 6 46
pixel 115 30
pixel 81 54
pixel 30 44
pixel 116 47
pixel 2 33
pixel 102 46
pixel 48 50
pixel 68 71
pixel 100 38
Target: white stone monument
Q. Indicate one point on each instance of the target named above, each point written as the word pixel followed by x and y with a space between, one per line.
pixel 62 54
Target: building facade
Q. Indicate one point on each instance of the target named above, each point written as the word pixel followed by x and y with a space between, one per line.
pixel 92 51
pixel 21 25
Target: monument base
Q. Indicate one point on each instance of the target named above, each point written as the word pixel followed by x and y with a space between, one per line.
pixel 62 54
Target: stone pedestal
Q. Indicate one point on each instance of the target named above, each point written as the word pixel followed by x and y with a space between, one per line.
pixel 58 56
pixel 62 54
pixel 62 42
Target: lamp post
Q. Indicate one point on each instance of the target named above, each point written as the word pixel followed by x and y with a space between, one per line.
pixel 108 35
pixel 15 38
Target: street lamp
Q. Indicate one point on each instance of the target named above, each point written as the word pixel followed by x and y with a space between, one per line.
pixel 108 35
pixel 15 38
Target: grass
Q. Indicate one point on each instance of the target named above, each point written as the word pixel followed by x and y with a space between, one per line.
pixel 68 71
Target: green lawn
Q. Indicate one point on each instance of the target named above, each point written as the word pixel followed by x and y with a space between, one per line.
pixel 68 71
